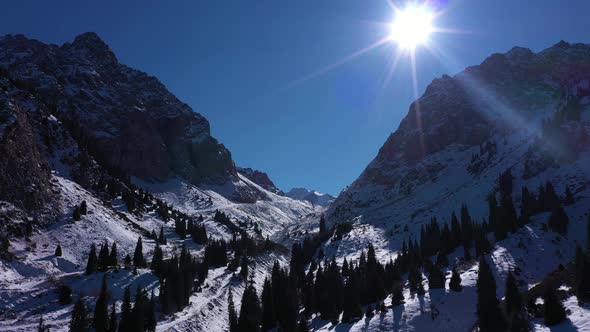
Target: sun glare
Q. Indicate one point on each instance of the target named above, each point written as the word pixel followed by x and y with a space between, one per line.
pixel 411 27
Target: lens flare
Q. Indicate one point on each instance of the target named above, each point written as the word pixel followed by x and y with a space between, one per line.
pixel 411 27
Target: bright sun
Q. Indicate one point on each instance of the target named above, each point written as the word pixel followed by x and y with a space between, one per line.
pixel 411 27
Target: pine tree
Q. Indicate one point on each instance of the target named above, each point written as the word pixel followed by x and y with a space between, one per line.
pixel 268 307
pixel 397 296
pixel 582 265
pixel 92 260
pixel 488 310
pixel 113 319
pixel 58 251
pixel 157 261
pixel 126 324
pixel 76 214
pixel 249 319
pixel 113 255
pixel 436 278
pixel 233 316
pixel 151 322
pixel 138 313
pixel 558 220
pixel 101 311
pixel 244 269
pixel 554 311
pixel 512 298
pixel 351 300
pixel 455 283
pixel 103 257
pixel 79 322
pixel 322 224
pixel 161 237
pixel 138 260
pixel 370 312
pixel 83 208
pixel 302 325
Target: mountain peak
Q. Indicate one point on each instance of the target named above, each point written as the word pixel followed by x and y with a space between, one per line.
pixel 93 45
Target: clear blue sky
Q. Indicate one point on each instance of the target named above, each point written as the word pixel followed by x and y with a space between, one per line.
pixel 235 62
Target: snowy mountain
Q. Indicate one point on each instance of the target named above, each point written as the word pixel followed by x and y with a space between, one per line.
pixel 95 152
pixel 489 166
pixel 260 178
pixel 312 196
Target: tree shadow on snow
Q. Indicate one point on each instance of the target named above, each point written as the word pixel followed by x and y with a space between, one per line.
pixel 566 326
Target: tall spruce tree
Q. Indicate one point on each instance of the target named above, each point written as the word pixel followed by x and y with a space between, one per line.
pixel 91 264
pixel 138 260
pixel 113 260
pixel 232 315
pixel 58 252
pixel 126 324
pixel 100 320
pixel 455 283
pixel 113 319
pixel 138 313
pixel 512 298
pixel 79 322
pixel 249 319
pixel 269 318
pixel 554 311
pixel 488 310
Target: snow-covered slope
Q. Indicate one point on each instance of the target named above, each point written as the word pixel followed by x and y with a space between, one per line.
pixel 312 196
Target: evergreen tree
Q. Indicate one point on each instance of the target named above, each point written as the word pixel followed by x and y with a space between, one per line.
pixel 244 269
pixel 79 322
pixel 249 319
pixel 513 299
pixel 157 261
pixel 233 316
pixel 302 326
pixel 58 251
pixel 370 312
pixel 151 322
pixel 268 307
pixel 126 323
pixel 83 208
pixel 138 260
pixel 76 214
pixel 113 261
pixel 436 278
pixel 322 224
pixel 138 313
pixel 103 257
pixel 92 260
pixel 582 265
pixel 100 320
pixel 113 319
pixel 455 283
pixel 488 309
pixel 558 221
pixel 397 296
pixel 161 237
pixel 351 300
pixel 554 312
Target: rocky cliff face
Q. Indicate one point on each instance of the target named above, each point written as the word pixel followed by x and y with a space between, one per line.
pixel 260 178
pixel 133 121
pixel 506 94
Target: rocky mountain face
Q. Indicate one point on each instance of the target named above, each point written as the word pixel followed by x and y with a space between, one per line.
pixel 508 95
pixel 129 118
pixel 260 178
